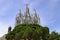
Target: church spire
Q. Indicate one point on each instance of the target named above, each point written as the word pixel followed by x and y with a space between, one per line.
pixel 19 13
pixel 27 10
pixel 34 13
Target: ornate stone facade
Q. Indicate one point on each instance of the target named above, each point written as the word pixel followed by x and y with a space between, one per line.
pixel 27 18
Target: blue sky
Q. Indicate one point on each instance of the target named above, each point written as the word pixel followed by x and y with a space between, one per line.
pixel 48 11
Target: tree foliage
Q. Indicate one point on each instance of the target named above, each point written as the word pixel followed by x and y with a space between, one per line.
pixel 31 31
pixel 54 36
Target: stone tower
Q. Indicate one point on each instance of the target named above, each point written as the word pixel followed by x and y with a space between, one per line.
pixel 27 18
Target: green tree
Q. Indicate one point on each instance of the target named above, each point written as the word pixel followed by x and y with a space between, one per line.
pixel 54 36
pixel 28 31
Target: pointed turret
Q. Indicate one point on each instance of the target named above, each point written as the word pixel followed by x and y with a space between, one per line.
pixel 34 13
pixel 18 17
pixel 27 11
pixel 34 17
pixel 19 13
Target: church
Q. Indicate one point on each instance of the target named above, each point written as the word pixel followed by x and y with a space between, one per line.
pixel 27 18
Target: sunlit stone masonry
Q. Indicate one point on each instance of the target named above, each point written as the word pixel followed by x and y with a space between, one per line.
pixel 27 18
